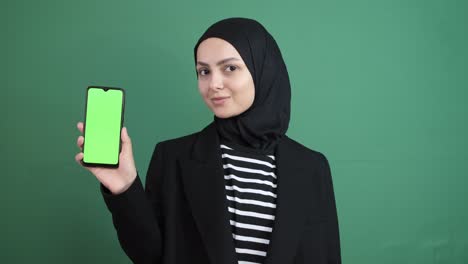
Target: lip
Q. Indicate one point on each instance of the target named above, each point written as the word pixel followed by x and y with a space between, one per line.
pixel 220 100
pixel 219 97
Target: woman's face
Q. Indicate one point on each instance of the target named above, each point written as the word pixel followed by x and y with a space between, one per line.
pixel 223 74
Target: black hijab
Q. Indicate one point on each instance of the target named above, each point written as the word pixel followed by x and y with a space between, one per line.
pixel 261 127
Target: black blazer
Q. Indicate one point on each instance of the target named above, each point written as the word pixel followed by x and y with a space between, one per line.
pixel 181 216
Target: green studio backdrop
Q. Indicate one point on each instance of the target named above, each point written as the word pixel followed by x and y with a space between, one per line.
pixel 380 87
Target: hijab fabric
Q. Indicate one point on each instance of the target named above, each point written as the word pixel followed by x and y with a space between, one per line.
pixel 263 125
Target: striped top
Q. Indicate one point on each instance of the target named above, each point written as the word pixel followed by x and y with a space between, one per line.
pixel 250 183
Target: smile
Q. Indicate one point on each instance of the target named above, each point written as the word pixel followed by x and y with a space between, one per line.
pixel 220 101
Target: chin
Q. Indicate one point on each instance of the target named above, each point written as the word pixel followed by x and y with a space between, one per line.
pixel 221 114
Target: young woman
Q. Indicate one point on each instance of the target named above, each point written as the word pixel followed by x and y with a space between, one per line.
pixel 238 191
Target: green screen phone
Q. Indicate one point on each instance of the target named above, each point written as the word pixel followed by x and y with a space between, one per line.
pixel 104 116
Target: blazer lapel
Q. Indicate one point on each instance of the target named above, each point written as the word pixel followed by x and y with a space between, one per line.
pixel 292 196
pixel 204 185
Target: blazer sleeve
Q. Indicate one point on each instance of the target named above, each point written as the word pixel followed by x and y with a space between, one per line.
pixel 136 213
pixel 332 227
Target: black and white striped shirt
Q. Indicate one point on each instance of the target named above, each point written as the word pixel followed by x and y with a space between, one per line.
pixel 250 183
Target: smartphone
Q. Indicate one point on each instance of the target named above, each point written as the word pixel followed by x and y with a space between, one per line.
pixel 104 117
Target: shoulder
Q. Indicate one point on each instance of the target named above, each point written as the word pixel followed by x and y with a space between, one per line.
pixel 310 154
pixel 177 145
pixel 180 141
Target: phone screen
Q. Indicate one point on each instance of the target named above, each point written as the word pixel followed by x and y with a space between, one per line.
pixel 104 114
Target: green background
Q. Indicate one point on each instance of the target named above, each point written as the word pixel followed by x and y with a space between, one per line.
pixel 380 87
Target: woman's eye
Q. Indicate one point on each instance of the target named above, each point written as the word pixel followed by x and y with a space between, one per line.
pixel 231 68
pixel 203 72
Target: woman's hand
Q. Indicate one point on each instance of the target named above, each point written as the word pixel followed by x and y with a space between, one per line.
pixel 117 180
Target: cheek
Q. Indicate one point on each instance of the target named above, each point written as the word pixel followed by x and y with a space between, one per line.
pixel 202 88
pixel 247 91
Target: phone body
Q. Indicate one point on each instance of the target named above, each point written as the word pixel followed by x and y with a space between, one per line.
pixel 104 117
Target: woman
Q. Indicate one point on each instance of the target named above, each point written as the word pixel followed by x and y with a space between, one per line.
pixel 275 203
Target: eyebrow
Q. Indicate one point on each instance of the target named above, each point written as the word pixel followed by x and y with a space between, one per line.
pixel 219 62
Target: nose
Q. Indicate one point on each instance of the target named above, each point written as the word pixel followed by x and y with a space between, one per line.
pixel 216 81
